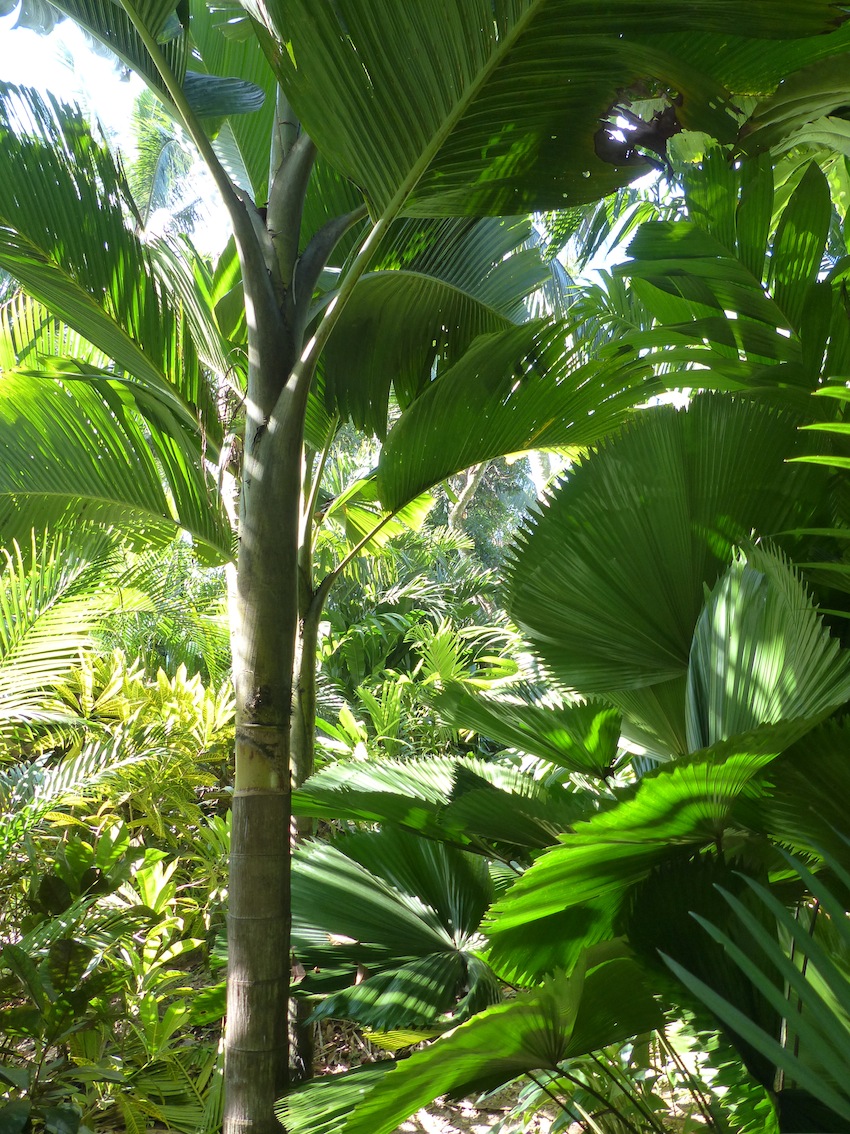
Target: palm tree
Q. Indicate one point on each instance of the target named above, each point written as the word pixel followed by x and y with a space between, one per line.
pixel 458 112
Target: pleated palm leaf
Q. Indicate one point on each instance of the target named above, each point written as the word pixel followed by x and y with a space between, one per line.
pixel 386 926
pixel 581 738
pixel 763 672
pixel 490 808
pixel 608 581
pixel 540 1030
pixel 51 602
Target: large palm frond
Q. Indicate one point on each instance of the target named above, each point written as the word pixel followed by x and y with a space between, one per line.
pixel 760 653
pixel 571 897
pixel 387 923
pixel 419 132
pixel 608 580
pixel 489 808
pixel 523 388
pixel 51 601
pixel 539 1030
pixel 806 985
pixel 435 288
pixel 70 246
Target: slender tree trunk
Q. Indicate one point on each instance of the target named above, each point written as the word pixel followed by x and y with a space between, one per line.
pixel 264 647
pixel 472 479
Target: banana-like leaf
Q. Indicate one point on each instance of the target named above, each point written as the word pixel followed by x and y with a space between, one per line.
pixel 608 580
pixel 816 1045
pixel 443 283
pixel 782 121
pixel 754 66
pixel 799 244
pixel 761 653
pixel 581 738
pixel 525 388
pixel 571 897
pixel 388 923
pixel 538 1030
pixel 521 85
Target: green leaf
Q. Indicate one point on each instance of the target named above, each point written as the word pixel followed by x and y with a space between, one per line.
pixel 83 453
pixel 610 607
pixel 761 653
pixel 524 388
pixel 564 1018
pixel 438 286
pixel 14 1116
pixel 798 246
pixel 571 896
pixel 62 1119
pixel 323 1105
pixel 507 124
pixel 581 738
pixel 460 801
pixel 814 1053
pixel 74 252
pixel 401 912
pixel 212 96
pixel 65 966
pixel 247 136
pixel 804 96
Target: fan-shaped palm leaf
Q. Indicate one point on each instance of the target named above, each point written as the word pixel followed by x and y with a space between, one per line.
pixel 761 653
pixel 538 1030
pixel 570 898
pixel 608 580
pixel 402 912
pixel 581 738
pixel 465 802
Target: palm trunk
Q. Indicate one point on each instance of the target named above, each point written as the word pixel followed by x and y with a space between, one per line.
pixel 264 648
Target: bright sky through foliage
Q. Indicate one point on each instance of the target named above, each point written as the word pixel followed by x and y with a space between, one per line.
pixel 64 64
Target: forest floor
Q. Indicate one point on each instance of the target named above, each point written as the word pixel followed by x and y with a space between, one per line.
pixel 443 1117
